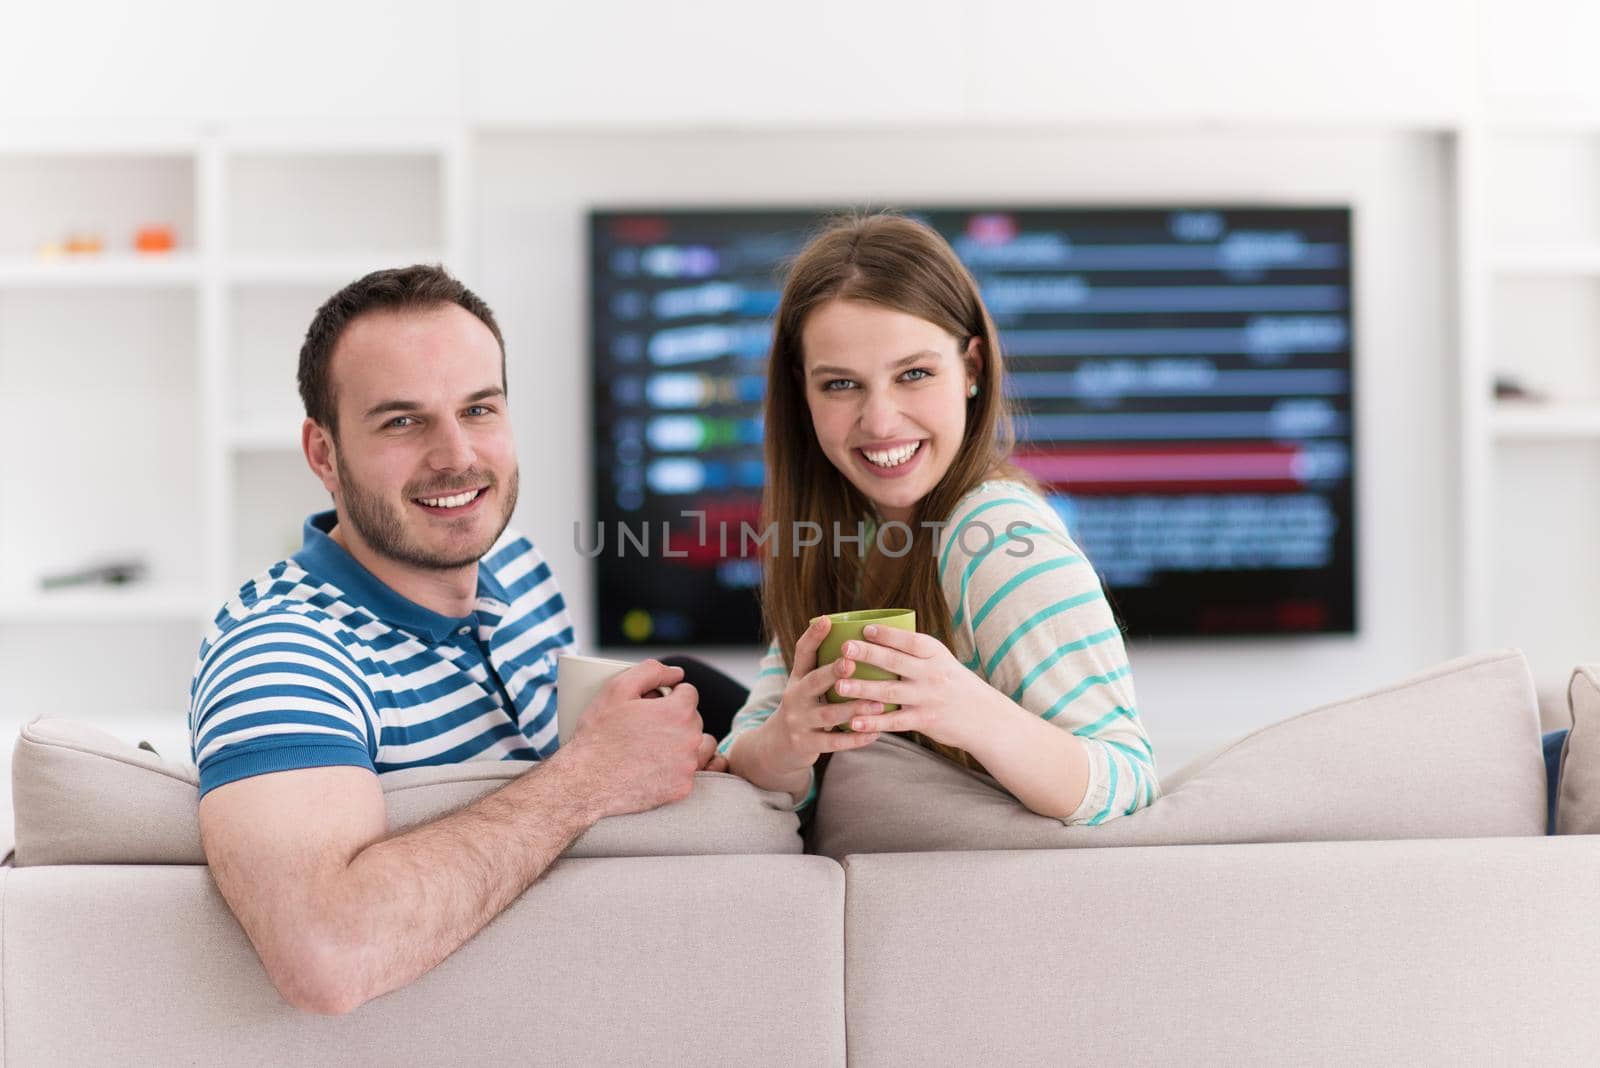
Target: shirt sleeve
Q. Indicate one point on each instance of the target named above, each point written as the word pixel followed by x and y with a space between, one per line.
pixel 277 693
pixel 765 697
pixel 1029 615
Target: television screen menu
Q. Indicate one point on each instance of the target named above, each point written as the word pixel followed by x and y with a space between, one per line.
pixel 1182 381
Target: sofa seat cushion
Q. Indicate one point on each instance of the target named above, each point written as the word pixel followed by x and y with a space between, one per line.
pixel 82 796
pixel 1451 753
pixel 1578 802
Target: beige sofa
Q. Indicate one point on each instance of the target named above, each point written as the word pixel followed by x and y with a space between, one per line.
pixel 1367 882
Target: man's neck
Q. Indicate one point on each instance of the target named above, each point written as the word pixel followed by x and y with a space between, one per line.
pixel 449 593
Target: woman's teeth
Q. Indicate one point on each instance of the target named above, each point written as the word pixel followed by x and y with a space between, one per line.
pixel 892 457
pixel 449 502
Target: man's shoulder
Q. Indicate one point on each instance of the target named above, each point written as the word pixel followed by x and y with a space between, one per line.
pixel 516 563
pixel 281 594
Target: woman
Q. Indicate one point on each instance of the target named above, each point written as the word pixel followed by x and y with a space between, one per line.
pixel 884 409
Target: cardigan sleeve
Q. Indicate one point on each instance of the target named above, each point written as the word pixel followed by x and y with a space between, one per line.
pixel 1031 615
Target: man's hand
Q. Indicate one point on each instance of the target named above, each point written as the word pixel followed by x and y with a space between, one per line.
pixel 710 759
pixel 637 749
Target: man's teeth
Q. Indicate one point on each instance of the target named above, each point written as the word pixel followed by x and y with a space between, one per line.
pixel 892 457
pixel 449 502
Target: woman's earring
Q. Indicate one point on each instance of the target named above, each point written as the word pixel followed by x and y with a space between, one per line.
pixel 972 390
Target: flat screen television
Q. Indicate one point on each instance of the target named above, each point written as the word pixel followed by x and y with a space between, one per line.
pixel 1182 377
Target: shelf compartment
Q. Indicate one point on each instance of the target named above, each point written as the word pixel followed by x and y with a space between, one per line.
pixel 1545 333
pixel 107 271
pixel 109 196
pixel 296 209
pixel 1514 421
pixel 107 604
pixel 266 433
pixel 1548 260
pixel 328 273
pixel 101 434
pixel 274 492
pixel 1545 583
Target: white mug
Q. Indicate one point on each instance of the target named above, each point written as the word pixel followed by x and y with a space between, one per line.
pixel 578 682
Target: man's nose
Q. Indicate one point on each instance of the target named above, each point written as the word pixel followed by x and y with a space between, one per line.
pixel 450 448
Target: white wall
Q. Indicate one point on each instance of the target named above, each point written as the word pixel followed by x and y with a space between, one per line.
pixel 534 189
pixel 1038 100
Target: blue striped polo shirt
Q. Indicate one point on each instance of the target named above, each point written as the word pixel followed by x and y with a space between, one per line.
pixel 316 663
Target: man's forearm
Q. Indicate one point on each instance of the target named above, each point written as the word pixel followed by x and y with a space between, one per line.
pixel 405 903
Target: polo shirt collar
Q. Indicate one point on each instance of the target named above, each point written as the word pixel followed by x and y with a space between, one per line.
pixel 328 561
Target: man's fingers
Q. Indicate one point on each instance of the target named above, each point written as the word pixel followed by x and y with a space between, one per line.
pixel 707 752
pixel 641 679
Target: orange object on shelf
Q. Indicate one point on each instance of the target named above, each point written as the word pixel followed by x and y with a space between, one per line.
pixel 84 244
pixel 154 239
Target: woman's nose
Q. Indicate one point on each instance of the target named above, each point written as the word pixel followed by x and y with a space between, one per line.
pixel 880 416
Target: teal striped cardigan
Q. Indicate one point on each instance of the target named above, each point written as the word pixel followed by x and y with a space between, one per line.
pixel 1028 613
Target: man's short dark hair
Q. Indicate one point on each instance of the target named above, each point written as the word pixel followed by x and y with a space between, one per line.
pixel 419 287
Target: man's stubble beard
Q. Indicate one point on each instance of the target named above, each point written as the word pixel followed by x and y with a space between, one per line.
pixel 383 528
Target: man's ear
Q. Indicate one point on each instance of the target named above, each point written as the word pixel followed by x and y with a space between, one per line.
pixel 316 441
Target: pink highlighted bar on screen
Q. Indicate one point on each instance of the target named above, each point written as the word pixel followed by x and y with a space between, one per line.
pixel 1255 468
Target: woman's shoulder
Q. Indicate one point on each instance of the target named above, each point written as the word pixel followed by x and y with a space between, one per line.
pixel 1000 512
pixel 999 501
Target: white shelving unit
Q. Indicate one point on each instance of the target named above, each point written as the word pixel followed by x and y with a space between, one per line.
pixel 1528 185
pixel 187 359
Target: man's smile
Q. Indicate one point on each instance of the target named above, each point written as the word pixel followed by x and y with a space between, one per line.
pixel 452 504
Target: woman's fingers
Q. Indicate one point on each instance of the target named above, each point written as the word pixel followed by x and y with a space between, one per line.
pixel 889 721
pixel 845 740
pixel 821 680
pixel 911 642
pixel 838 715
pixel 805 650
pixel 890 692
pixel 891 660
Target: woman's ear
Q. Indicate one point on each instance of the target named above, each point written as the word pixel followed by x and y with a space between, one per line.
pixel 973 359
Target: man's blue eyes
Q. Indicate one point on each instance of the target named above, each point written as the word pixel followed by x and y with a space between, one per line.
pixel 838 385
pixel 476 408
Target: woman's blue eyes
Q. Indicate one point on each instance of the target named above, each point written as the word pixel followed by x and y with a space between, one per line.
pixel 838 385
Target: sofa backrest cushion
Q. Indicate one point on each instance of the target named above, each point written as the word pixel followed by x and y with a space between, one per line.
pixel 1451 753
pixel 82 796
pixel 1578 803
pixel 613 961
pixel 1427 952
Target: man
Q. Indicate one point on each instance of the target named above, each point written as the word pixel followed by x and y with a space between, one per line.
pixel 411 629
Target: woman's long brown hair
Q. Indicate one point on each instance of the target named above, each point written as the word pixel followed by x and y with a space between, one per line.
pixel 901 264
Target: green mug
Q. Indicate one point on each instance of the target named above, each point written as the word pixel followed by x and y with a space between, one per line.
pixel 847 626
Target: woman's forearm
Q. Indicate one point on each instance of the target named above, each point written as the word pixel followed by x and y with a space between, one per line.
pixel 1044 767
pixel 755 758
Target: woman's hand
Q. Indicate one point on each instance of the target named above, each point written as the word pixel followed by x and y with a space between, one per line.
pixel 938 695
pixel 802 728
